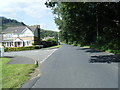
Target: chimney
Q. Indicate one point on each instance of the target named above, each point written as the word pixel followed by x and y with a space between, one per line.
pixel 38 26
pixel 39 40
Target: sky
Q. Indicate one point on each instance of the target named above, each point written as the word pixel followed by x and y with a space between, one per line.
pixel 31 12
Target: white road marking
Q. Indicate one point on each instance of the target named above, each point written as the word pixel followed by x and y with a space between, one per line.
pixel 48 56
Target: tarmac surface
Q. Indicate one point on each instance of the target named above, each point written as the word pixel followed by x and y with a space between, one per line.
pixel 28 57
pixel 21 60
pixel 70 67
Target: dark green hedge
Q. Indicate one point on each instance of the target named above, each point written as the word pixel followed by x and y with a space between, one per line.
pixel 52 40
pixel 7 49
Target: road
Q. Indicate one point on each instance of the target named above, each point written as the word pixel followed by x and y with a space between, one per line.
pixel 69 67
pixel 37 55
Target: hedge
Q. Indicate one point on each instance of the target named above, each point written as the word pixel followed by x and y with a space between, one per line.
pixel 52 40
pixel 7 49
pixel 49 42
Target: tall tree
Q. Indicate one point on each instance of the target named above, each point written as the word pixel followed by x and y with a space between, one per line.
pixel 88 23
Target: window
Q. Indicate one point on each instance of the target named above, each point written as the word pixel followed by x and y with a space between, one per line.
pixel 8 35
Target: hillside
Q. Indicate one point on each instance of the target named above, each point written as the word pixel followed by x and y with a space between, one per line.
pixel 48 33
pixel 5 22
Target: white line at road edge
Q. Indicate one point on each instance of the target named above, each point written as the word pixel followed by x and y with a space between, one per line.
pixel 48 56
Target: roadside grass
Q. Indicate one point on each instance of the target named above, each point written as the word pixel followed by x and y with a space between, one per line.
pixel 0 74
pixel 105 49
pixel 58 46
pixel 15 75
pixel 85 46
pixel 75 44
pixel 101 48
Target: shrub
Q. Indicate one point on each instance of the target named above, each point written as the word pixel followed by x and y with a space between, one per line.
pixel 49 42
pixel 53 41
pixel 21 48
pixel 46 44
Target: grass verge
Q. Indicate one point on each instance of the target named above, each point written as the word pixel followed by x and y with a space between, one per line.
pixel 0 74
pixel 105 49
pixel 58 46
pixel 85 46
pixel 15 75
pixel 101 48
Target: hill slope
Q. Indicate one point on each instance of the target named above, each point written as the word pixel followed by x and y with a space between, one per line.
pixel 49 33
pixel 5 22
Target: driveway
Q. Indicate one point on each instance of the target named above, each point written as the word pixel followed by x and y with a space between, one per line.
pixel 36 55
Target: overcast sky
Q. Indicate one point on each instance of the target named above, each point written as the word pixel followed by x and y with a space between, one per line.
pixel 31 12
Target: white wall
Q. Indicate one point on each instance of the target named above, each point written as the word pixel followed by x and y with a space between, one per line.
pixel 27 32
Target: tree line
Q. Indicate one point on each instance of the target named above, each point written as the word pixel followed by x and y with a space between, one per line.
pixel 48 33
pixel 95 24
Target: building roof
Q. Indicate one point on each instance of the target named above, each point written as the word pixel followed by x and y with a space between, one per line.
pixel 33 28
pixel 19 29
pixel 14 29
pixel 17 39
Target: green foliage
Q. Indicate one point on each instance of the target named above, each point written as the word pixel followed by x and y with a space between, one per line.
pixel 95 24
pixel 5 22
pixel 15 75
pixel 7 49
pixel 57 46
pixel 48 33
pixel 53 41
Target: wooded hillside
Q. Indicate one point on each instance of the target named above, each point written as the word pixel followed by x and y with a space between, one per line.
pixel 49 33
pixel 5 22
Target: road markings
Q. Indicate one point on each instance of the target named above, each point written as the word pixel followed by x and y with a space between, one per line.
pixel 48 56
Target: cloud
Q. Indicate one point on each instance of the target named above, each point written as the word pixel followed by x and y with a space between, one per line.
pixel 33 8
pixel 31 12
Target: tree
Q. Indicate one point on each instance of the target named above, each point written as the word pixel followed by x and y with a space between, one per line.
pixel 88 23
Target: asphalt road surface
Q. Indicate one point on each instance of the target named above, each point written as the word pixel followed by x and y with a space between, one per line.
pixel 35 55
pixel 69 67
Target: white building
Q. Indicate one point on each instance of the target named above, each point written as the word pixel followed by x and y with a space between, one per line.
pixel 21 36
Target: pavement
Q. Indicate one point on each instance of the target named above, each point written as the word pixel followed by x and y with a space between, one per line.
pixel 69 67
pixel 28 57
pixel 21 60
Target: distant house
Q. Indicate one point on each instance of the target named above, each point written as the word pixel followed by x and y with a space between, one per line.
pixel 21 36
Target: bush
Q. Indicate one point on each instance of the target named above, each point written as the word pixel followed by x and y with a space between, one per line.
pixel 49 42
pixel 53 41
pixel 46 44
pixel 7 49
